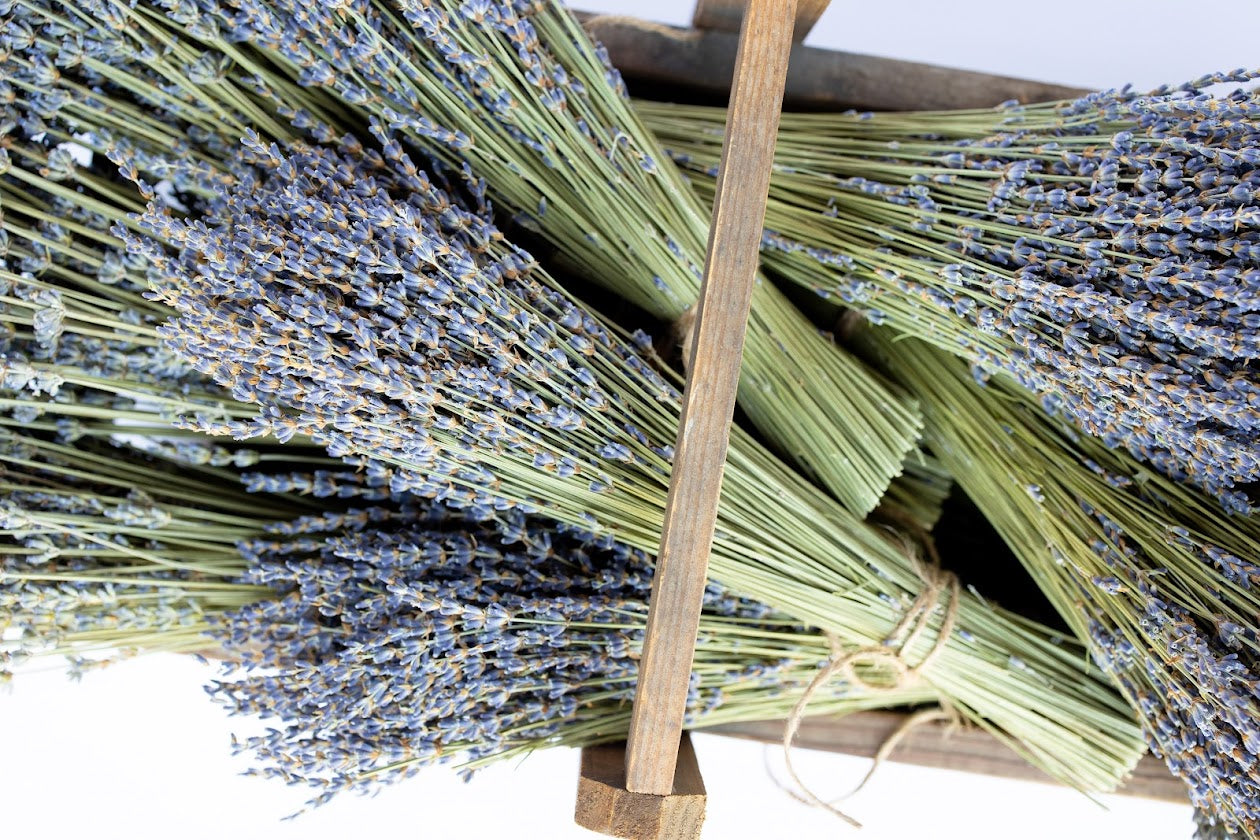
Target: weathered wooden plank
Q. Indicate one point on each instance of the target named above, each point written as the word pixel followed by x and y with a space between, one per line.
pixel 807 14
pixel 721 319
pixel 693 62
pixel 604 804
pixel 725 15
pixel 935 745
pixel 722 15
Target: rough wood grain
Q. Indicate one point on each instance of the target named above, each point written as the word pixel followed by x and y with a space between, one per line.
pixel 807 14
pixel 722 15
pixel 709 396
pixel 604 804
pixel 725 15
pixel 968 750
pixel 693 63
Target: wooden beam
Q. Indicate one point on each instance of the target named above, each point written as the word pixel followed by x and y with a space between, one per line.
pixel 604 804
pixel 708 402
pixel 807 14
pixel 693 63
pixel 934 745
pixel 722 15
pixel 725 15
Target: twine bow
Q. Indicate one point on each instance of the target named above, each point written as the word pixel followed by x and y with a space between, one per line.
pixel 889 656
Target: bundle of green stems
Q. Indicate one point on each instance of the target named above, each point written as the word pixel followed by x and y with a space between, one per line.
pixel 1157 578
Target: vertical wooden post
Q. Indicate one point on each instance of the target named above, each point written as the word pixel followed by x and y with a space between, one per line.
pixel 660 793
pixel 709 397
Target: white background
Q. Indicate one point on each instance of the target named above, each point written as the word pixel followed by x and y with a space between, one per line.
pixel 138 752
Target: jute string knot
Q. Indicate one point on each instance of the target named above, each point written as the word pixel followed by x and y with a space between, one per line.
pixel 887 662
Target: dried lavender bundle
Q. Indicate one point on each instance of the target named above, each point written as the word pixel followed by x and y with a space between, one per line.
pixel 518 92
pixel 355 302
pixel 405 635
pixel 392 636
pixel 93 567
pixel 79 350
pixel 1151 572
pixel 1104 253
pixel 118 532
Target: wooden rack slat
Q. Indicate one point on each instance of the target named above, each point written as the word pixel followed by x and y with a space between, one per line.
pixel 721 317
pixel 807 14
pixel 934 745
pixel 701 61
pixel 726 15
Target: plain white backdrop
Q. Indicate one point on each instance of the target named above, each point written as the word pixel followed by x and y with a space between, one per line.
pixel 138 752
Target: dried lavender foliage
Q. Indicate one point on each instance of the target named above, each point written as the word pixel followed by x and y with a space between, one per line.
pixel 1104 253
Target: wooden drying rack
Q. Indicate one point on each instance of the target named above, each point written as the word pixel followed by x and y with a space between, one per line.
pixel 649 787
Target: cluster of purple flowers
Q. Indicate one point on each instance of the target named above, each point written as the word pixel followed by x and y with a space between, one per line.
pixel 405 635
pixel 346 292
pixel 1142 260
pixel 1208 828
pixel 1197 690
pixel 1105 254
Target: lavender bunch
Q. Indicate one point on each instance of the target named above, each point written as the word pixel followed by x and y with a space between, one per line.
pixel 1206 828
pixel 78 340
pixel 80 355
pixel 1158 579
pixel 1104 253
pixel 405 634
pixel 357 303
pixel 515 93
pixel 92 567
pixel 380 638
